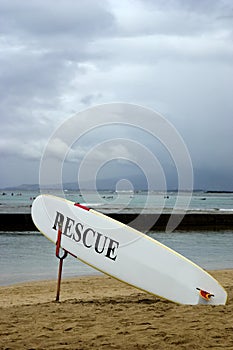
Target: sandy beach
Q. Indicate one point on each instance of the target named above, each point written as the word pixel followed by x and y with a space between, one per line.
pixel 101 313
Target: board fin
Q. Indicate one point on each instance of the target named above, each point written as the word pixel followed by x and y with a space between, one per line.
pixel 204 294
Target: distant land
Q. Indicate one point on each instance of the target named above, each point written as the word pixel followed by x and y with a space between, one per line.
pixel 23 187
pixel 73 186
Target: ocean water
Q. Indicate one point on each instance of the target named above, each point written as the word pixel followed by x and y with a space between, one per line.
pixel 28 256
pixel 112 202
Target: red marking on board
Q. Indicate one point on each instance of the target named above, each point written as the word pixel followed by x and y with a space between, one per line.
pixel 81 206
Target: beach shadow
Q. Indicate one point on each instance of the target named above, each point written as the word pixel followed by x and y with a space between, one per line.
pixel 137 300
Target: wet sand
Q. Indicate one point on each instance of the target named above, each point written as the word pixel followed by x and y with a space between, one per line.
pixel 101 313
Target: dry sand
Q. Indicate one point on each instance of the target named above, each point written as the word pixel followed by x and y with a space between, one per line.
pixel 102 313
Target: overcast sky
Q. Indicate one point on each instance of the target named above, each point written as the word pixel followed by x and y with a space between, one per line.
pixel 61 57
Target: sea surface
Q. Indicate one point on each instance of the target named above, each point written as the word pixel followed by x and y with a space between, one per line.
pixel 124 201
pixel 28 256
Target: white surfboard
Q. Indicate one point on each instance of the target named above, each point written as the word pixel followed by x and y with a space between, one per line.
pixel 125 253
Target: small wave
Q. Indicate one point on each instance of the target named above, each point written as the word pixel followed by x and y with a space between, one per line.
pixel 226 210
pixel 20 233
pixel 89 205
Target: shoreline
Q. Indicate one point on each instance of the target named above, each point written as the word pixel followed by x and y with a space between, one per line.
pixel 91 276
pixel 13 297
pixel 99 312
pixel 192 221
pixel 88 287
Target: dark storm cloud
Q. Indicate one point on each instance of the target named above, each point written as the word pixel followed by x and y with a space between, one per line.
pixel 58 57
pixel 42 44
pixel 54 18
pixel 41 40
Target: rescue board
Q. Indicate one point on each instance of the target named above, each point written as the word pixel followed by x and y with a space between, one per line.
pixel 125 253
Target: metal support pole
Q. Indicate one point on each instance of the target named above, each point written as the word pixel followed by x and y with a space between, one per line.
pixel 61 258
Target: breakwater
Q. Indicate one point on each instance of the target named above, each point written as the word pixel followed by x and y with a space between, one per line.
pixel 155 222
